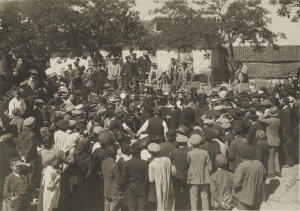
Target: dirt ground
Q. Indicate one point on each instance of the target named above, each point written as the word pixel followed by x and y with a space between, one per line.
pixel 284 191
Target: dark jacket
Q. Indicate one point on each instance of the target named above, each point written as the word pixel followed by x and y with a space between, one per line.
pixel 178 158
pixel 262 152
pixel 166 148
pixel 111 177
pixel 187 117
pixel 252 133
pixel 135 176
pixel 234 155
pixel 213 149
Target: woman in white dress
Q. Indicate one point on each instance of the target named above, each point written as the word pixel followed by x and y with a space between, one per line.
pixel 51 181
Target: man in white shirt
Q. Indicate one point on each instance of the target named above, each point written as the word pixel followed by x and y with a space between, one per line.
pixel 17 102
pixel 155 126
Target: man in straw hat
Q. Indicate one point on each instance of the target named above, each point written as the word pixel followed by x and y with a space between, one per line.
pixel 198 175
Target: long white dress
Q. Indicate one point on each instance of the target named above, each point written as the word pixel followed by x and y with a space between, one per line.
pixel 160 173
pixel 51 189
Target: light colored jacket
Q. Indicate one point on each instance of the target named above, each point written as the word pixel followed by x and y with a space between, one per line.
pixel 272 130
pixel 200 167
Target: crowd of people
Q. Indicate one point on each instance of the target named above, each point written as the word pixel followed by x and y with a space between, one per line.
pixel 101 139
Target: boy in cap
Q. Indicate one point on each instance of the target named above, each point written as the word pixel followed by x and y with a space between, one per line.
pixel 198 175
pixel 16 187
pixel 221 185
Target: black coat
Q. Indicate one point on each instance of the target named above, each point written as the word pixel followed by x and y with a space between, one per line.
pixel 252 133
pixel 135 176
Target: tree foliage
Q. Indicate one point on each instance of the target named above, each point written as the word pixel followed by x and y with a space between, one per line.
pixel 288 8
pixel 181 26
pixel 245 22
pixel 71 27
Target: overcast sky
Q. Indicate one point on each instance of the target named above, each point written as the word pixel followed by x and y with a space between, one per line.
pixel 279 24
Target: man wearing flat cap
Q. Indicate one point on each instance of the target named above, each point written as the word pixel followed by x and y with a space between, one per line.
pixel 178 158
pixel 200 167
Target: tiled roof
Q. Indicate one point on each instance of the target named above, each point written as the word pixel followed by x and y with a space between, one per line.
pixel 268 54
pixel 272 70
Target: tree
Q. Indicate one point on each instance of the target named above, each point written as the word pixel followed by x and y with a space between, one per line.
pixel 244 22
pixel 182 28
pixel 288 8
pixel 72 27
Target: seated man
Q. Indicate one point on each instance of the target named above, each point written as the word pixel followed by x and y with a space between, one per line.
pixel 186 75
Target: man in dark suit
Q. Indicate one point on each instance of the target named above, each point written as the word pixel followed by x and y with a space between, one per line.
pixel 135 176
pixel 288 121
pixel 144 64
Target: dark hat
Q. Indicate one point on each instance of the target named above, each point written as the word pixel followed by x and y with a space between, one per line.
pixel 105 138
pixel 248 152
pixel 126 149
pixel 135 148
pixel 63 124
pixel 236 113
pixel 209 133
pixel 221 161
